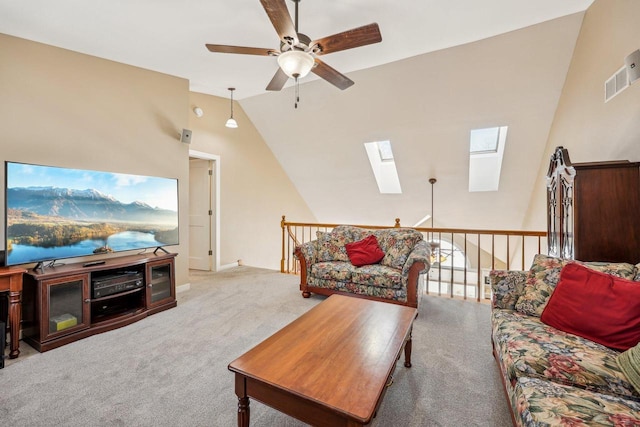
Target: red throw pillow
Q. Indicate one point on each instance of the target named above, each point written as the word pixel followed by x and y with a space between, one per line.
pixel 596 306
pixel 365 251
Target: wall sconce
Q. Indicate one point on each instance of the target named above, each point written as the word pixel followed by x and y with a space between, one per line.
pixel 231 123
pixel 198 112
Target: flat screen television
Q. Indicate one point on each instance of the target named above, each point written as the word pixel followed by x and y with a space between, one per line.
pixel 53 213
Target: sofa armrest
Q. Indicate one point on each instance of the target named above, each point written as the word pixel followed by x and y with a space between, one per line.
pixel 306 254
pixel 418 262
pixel 506 287
pixel 307 250
pixel 421 253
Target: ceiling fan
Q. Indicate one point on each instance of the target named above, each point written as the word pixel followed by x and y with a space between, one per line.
pixel 298 54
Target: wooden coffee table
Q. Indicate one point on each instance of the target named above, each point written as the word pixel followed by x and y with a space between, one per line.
pixel 331 366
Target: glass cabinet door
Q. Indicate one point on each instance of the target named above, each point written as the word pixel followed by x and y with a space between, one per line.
pixel 160 283
pixel 65 305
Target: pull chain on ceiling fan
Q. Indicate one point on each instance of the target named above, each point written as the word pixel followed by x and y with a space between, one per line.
pixel 298 54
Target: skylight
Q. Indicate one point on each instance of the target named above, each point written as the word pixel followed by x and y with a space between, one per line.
pixel 486 149
pixel 383 166
pixel 384 148
pixel 484 140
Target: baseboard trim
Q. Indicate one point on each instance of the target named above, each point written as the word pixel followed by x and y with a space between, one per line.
pixel 228 266
pixel 183 288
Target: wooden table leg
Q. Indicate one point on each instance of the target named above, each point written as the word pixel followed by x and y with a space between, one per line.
pixel 244 411
pixel 15 309
pixel 407 350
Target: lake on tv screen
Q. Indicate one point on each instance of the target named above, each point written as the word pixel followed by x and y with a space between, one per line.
pixel 123 241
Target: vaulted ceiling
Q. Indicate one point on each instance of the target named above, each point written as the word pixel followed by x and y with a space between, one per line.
pixel 444 67
pixel 426 106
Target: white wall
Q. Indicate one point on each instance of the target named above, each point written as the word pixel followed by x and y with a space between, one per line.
pixel 426 106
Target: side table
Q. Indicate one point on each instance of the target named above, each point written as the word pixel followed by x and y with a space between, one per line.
pixel 11 281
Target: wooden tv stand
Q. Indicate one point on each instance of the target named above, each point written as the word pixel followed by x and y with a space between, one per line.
pixel 68 302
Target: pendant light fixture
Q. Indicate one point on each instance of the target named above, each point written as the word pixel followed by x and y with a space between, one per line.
pixel 231 123
pixel 434 244
pixel 432 181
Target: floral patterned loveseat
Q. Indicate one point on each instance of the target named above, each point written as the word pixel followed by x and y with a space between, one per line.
pixel 326 268
pixel 551 377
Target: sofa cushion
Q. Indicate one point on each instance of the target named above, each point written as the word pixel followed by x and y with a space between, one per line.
pixel 506 287
pixel 596 306
pixel 377 275
pixel 365 251
pixel 399 294
pixel 543 403
pixel 543 276
pixel 333 270
pixel 526 347
pixel 397 244
pixel 357 233
pixel 331 246
pixel 629 363
pixel 545 273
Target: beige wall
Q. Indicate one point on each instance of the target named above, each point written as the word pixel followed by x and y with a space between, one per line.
pixel 67 109
pixel 62 108
pixel 254 190
pixel 590 129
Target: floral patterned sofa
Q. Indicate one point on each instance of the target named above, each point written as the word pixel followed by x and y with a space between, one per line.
pixel 552 377
pixel 326 267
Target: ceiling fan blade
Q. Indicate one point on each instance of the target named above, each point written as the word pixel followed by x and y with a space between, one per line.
pixel 331 75
pixel 278 80
pixel 221 48
pixel 281 20
pixel 355 37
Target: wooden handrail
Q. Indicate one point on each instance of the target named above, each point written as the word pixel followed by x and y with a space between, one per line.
pixel 481 254
pixel 285 223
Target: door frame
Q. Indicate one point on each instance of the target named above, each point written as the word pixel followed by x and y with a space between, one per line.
pixel 215 230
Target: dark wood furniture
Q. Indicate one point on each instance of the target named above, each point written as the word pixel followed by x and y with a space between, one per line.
pixel 60 307
pixel 593 209
pixel 11 281
pixel 2 344
pixel 331 366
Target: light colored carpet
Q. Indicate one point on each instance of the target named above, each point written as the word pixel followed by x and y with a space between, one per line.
pixel 170 369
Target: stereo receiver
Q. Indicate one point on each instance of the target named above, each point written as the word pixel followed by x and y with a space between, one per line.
pixel 115 283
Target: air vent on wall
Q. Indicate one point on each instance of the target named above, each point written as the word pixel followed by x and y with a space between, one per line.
pixel 616 84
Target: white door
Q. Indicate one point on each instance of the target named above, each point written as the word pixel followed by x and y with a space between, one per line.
pixel 200 214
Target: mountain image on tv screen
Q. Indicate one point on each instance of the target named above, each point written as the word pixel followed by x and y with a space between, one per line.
pixel 54 213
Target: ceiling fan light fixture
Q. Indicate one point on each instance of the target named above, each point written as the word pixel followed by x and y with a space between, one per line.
pixel 296 63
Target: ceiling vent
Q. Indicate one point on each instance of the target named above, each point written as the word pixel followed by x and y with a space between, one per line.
pixel 616 84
